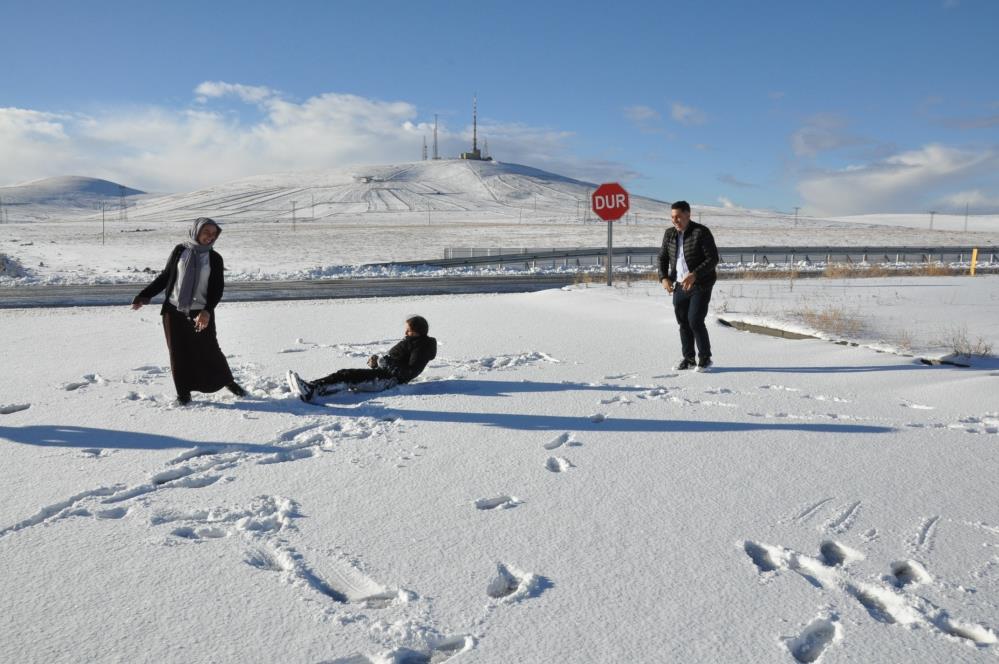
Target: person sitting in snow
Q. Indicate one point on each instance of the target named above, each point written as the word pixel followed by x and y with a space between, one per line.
pixel 404 362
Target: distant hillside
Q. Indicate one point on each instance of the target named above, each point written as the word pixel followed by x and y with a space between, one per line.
pixel 451 189
pixel 68 189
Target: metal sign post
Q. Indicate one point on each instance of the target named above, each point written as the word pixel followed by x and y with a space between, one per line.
pixel 610 253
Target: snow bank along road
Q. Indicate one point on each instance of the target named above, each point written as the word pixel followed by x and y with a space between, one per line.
pixel 255 291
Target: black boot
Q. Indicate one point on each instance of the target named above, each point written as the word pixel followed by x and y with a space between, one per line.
pixel 236 389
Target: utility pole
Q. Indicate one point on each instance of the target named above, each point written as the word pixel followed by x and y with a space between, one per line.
pixel 424 148
pixel 796 216
pixel 102 223
pixel 293 215
pixel 123 205
pixel 428 213
pixel 932 212
pixel 966 217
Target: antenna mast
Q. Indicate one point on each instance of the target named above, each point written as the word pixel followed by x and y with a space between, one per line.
pixel 475 123
pixel 436 157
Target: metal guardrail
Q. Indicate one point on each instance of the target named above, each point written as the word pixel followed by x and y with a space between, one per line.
pixel 535 257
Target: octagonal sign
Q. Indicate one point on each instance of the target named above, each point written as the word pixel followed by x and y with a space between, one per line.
pixel 610 201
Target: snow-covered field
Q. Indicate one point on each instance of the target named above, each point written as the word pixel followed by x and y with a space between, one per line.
pixel 550 490
pixel 376 214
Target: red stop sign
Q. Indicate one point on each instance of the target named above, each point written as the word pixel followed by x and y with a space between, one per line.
pixel 610 201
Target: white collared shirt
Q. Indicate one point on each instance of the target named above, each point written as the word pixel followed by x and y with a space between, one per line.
pixel 681 262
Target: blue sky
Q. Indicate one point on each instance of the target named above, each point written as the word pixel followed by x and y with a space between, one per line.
pixel 839 108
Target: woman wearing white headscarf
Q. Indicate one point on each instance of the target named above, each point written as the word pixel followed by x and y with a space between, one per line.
pixel 193 280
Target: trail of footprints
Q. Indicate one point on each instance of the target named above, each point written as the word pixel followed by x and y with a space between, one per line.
pixel 263 527
pixel 892 599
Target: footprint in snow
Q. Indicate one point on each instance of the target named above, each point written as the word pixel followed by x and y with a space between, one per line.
pixel 512 585
pixel 908 573
pixel 8 408
pixel 814 639
pixel 439 652
pixel 497 503
pixel 558 441
pixel 558 464
pixel 835 554
pixel 597 418
pixel 88 379
pixel 92 453
pixel 113 513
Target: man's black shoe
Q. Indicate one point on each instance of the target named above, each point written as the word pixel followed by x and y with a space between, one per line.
pixel 704 364
pixel 685 363
pixel 183 399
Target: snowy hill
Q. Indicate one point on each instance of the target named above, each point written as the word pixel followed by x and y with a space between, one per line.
pixel 60 197
pixel 67 188
pixel 466 190
pixel 454 188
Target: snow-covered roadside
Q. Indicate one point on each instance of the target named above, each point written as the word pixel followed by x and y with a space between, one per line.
pixel 931 317
pixel 73 252
pixel 550 490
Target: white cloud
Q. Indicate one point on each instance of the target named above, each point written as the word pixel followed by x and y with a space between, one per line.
pixel 687 115
pixel 645 118
pixel 727 202
pixel 168 149
pixel 976 200
pixel 729 179
pixel 251 94
pixel 642 114
pixel 904 182
pixel 823 133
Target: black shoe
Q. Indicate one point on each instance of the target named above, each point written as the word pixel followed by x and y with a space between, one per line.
pixel 236 389
pixel 685 363
pixel 183 399
pixel 704 364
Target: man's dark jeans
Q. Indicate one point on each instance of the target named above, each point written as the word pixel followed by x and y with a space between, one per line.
pixel 691 308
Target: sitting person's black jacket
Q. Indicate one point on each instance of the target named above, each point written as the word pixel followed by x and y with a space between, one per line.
pixel 407 359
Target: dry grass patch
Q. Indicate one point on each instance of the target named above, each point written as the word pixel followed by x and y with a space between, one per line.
pixel 848 271
pixel 958 341
pixel 832 320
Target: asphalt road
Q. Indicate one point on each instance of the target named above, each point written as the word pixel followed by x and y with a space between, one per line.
pixel 90 295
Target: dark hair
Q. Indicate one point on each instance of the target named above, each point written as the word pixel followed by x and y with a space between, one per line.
pixel 419 325
pixel 682 206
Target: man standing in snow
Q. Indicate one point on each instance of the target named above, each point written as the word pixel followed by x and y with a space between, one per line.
pixel 687 263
